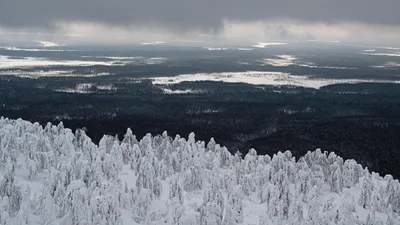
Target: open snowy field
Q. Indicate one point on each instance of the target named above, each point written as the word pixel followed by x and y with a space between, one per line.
pixel 262 78
pixel 7 62
pixel 52 176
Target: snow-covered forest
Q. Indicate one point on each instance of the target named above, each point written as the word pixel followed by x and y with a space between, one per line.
pixel 52 176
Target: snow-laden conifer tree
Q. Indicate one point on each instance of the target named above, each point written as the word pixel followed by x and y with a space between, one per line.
pixel 176 190
pixel 47 209
pixel 365 199
pixel 234 207
pixel 141 206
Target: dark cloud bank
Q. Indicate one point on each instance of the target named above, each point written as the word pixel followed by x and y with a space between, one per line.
pixel 188 14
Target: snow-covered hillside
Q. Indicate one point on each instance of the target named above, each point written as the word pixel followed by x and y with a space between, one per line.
pixel 53 176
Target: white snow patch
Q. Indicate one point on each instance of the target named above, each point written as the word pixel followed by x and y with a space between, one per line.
pixel 155 60
pixel 262 78
pixel 283 60
pixel 124 58
pixel 153 43
pixel 395 54
pixel 8 62
pixel 215 48
pixel 288 60
pixel 186 91
pixel 311 65
pixel 129 60
pixel 388 65
pixel 266 44
pixel 86 88
pixel 245 49
pixel 36 49
pixel 47 43
pixel 37 73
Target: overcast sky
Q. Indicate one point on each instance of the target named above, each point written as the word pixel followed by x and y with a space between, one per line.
pixel 369 21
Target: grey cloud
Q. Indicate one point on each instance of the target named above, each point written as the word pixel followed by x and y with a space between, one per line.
pixel 206 15
pixel 278 31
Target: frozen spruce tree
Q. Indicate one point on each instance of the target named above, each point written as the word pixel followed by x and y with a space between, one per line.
pixel 212 207
pixel 234 207
pixel 147 178
pixel 141 206
pixel 10 190
pixel 210 214
pixel 365 199
pixel 175 212
pixel 47 209
pixel 176 190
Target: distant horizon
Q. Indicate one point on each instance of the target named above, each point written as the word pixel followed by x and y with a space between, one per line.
pixel 51 43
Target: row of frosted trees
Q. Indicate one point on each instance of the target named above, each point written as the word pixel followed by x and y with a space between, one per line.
pixel 82 182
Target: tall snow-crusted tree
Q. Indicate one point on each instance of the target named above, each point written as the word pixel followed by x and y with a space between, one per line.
pixel 391 220
pixel 106 143
pixel 192 178
pixel 127 146
pixel 371 218
pixel 24 215
pixel 250 161
pixel 9 189
pixel 147 178
pixel 5 210
pixel 212 208
pixel 175 190
pixel 175 212
pixel 335 179
pixel 31 165
pixel 104 210
pixel 47 209
pixel 210 214
pixel 80 138
pixel 365 199
pixel 75 205
pixel 117 156
pixel 351 173
pixel 129 138
pixel 234 207
pixel 141 205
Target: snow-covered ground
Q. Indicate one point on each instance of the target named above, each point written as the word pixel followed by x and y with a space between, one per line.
pixel 245 49
pixel 388 65
pixel 216 48
pixel 186 91
pixel 262 78
pixel 86 88
pixel 153 43
pixel 35 49
pixel 48 44
pixel 7 62
pixel 267 44
pixel 394 54
pixel 282 60
pixel 37 73
pixel 15 65
pixel 51 175
pixel 288 60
